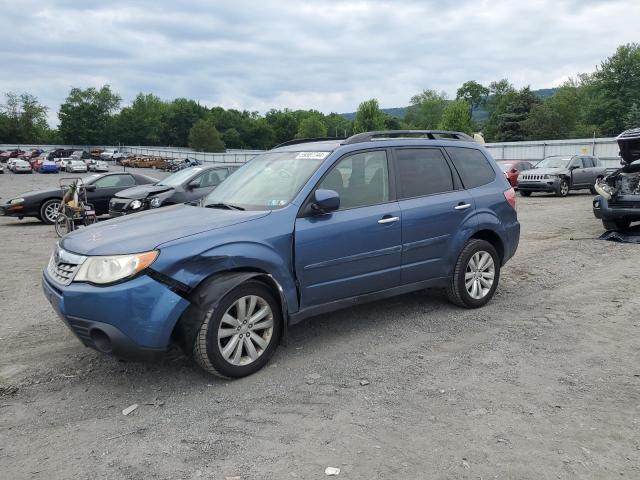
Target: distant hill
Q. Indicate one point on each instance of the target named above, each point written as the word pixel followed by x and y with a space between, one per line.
pixel 479 115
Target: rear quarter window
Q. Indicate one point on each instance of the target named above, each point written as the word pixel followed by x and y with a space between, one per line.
pixel 474 168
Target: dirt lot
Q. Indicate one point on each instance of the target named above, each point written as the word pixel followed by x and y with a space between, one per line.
pixel 542 383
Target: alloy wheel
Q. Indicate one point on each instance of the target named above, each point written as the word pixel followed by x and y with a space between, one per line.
pixel 51 211
pixel 245 330
pixel 479 274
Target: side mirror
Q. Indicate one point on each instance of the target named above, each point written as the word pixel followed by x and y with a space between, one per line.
pixel 90 188
pixel 514 170
pixel 193 184
pixel 573 167
pixel 325 201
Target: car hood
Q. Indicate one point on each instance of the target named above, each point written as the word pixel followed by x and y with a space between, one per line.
pixel 147 230
pixel 142 191
pixel 544 171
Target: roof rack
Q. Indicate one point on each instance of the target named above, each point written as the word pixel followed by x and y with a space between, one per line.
pixel 417 134
pixel 296 141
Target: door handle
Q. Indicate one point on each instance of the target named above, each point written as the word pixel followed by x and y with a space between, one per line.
pixel 462 206
pixel 385 220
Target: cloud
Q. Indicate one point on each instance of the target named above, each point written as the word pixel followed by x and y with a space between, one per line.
pixel 287 54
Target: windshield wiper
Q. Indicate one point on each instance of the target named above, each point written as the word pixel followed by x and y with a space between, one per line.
pixel 226 206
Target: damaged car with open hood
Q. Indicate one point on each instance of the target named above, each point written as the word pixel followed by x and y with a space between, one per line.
pixel 618 202
pixel 188 185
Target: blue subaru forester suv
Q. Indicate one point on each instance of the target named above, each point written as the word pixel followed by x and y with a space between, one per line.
pixel 303 229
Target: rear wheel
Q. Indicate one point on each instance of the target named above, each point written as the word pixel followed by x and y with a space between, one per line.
pixel 525 193
pixel 240 335
pixel 615 224
pixel 475 276
pixel 49 211
pixel 563 188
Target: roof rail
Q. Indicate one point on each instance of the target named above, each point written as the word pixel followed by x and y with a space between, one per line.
pixel 418 134
pixel 295 141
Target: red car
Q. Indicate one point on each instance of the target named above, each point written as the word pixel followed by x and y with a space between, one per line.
pixel 512 169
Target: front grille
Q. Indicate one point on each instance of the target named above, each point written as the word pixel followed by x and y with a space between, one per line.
pixel 118 206
pixel 533 177
pixel 63 265
pixel 624 204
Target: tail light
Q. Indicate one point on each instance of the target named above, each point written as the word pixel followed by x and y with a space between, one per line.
pixel 510 196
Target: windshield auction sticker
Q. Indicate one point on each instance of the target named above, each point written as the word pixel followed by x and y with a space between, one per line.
pixel 312 155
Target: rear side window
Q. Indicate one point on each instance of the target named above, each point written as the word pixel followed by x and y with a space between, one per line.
pixel 422 172
pixel 112 181
pixel 473 167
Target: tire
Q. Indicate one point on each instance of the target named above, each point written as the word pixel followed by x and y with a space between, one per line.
pixel 61 226
pixel 48 209
pixel 213 353
pixel 563 188
pixel 458 292
pixel 524 193
pixel 615 224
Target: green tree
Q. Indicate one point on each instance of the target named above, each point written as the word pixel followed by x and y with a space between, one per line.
pixel 232 138
pixel 311 127
pixel 501 94
pixel 632 120
pixel 511 124
pixel 86 116
pixel 204 137
pixel 369 117
pixel 338 126
pixel 426 109
pixel 23 119
pixel 259 134
pixel 178 118
pixel 142 122
pixel 613 88
pixel 473 93
pixel 283 123
pixel 456 117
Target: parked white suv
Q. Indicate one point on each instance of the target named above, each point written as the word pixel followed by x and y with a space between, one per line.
pixel 109 153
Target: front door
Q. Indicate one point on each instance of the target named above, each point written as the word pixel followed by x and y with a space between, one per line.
pixel 356 249
pixel 106 187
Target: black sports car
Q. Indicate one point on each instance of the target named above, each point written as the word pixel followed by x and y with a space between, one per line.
pixel 43 204
pixel 186 185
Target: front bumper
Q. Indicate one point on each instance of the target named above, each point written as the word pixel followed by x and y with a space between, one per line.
pixel 622 208
pixel 8 210
pixel 131 320
pixel 548 185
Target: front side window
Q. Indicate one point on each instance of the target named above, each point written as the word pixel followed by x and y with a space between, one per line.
pixel 360 180
pixel 111 181
pixel 473 167
pixel 422 172
pixel 268 181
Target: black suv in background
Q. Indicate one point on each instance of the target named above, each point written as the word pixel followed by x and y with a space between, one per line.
pixel 185 185
pixel 618 202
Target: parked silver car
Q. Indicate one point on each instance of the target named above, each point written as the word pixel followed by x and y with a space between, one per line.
pixel 76 166
pixel 561 173
pixel 21 166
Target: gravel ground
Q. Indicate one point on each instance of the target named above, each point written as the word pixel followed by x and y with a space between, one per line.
pixel 542 383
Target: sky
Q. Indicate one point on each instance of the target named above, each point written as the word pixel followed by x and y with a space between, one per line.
pixel 328 56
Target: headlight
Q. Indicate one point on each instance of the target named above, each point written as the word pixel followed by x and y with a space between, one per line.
pixel 114 268
pixel 135 204
pixel 155 202
pixel 16 200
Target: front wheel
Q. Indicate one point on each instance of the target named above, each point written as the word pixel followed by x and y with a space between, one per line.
pixel 240 335
pixel 49 211
pixel 475 276
pixel 563 188
pixel 525 193
pixel 62 225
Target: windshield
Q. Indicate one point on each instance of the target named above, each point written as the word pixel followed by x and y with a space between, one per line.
pixel 179 177
pixel 505 166
pixel 269 181
pixel 554 162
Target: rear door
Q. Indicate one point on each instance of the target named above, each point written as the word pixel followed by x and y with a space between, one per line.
pixel 356 249
pixel 581 175
pixel 433 205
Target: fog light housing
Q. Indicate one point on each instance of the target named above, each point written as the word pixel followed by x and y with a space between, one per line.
pixel 155 202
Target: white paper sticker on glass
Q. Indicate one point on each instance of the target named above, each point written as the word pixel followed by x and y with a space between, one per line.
pixel 312 155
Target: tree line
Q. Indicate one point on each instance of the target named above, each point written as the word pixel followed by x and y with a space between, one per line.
pixel 600 103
